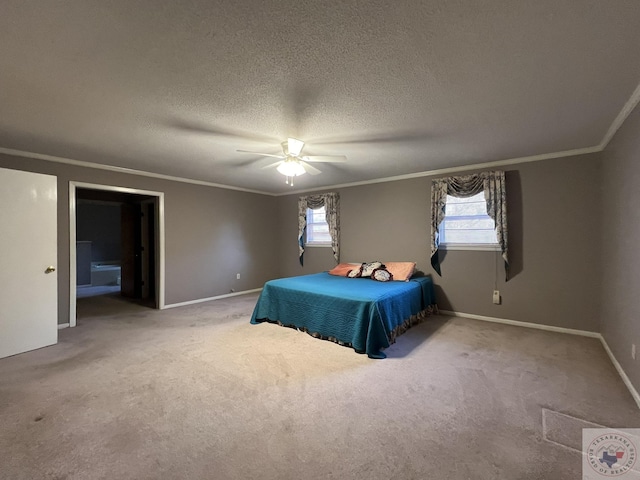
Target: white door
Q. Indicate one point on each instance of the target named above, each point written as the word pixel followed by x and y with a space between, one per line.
pixel 28 247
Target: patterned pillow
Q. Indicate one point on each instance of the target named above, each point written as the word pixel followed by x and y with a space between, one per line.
pixel 374 270
pixel 355 273
pixel 382 275
pixel 369 268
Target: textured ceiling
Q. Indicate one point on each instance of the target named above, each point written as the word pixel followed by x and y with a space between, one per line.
pixel 399 87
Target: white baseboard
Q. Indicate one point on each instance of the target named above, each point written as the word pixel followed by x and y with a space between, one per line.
pixel 621 372
pixel 218 297
pixel 570 331
pixel 583 333
pixel 63 325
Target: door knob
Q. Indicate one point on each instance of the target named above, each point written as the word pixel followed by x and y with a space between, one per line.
pixel 50 269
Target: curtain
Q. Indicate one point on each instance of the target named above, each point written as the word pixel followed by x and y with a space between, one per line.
pixel 493 185
pixel 331 202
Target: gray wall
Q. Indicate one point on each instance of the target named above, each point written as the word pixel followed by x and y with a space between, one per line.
pixel 555 214
pixel 620 230
pixel 100 224
pixel 210 233
pixel 553 210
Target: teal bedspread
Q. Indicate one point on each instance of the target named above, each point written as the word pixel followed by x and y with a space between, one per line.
pixel 359 312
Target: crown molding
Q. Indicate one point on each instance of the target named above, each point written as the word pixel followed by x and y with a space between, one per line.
pixel 622 116
pixel 427 173
pixel 628 107
pixel 462 168
pixel 130 171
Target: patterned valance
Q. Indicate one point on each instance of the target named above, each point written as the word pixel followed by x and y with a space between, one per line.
pixel 331 202
pixel 493 185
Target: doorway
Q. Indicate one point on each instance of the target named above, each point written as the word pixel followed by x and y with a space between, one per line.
pixel 116 244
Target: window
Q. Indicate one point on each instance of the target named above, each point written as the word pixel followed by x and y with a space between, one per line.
pixel 317 228
pixel 467 226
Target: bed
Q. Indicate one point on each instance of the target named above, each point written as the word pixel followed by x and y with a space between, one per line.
pixel 357 312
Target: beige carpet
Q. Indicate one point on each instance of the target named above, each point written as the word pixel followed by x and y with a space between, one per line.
pixel 197 392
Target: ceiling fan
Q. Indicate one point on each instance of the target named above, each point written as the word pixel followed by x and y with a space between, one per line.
pixel 293 164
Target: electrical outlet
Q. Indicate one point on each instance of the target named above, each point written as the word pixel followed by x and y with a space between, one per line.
pixel 496 297
pixel 633 351
pixel 237 276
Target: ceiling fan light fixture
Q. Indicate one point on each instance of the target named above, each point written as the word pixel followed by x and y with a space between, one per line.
pixel 292 164
pixel 294 146
pixel 291 168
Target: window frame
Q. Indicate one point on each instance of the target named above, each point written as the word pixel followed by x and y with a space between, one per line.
pixel 312 243
pixel 488 247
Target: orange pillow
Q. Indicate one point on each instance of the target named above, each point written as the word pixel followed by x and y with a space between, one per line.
pixel 401 271
pixel 342 269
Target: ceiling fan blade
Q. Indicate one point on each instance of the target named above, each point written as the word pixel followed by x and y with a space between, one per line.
pixel 260 153
pixel 403 136
pixel 311 170
pixel 195 126
pixel 326 158
pixel 271 165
